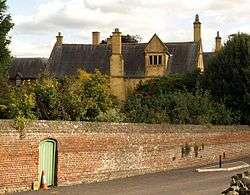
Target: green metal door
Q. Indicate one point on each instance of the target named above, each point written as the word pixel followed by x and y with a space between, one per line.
pixel 47 151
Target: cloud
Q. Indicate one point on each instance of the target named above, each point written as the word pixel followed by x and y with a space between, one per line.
pixel 171 19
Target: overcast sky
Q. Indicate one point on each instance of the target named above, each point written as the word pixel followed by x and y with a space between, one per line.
pixel 38 21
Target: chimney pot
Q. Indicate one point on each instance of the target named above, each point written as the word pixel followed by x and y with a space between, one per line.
pixel 59 39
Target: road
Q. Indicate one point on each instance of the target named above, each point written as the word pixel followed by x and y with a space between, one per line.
pixel 175 182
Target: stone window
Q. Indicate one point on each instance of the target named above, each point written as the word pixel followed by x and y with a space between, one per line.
pixel 151 60
pixel 155 60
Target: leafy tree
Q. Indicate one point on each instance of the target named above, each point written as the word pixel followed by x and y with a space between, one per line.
pixel 228 76
pixel 5 26
pixel 48 98
pixel 87 96
pixel 177 107
pixel 127 39
pixel 175 82
pixel 22 102
pixel 4 99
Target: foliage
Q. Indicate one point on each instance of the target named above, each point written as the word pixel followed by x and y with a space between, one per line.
pixel 4 99
pixel 112 115
pixel 179 107
pixel 175 82
pixel 83 97
pixel 22 102
pixel 48 98
pixel 131 38
pixel 228 76
pixel 127 39
pixel 86 96
pixel 5 26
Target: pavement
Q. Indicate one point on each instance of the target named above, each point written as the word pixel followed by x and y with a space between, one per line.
pixel 174 182
pixel 226 167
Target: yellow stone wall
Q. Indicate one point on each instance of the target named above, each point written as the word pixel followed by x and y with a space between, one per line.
pixel 117 86
pixel 200 64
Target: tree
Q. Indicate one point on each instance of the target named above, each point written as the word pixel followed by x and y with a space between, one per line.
pixel 5 26
pixel 86 96
pixel 175 99
pixel 127 39
pixel 48 98
pixel 228 76
pixel 22 102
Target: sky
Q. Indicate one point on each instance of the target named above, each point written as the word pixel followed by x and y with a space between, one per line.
pixel 37 22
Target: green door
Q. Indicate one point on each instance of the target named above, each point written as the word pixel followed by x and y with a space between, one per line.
pixel 47 150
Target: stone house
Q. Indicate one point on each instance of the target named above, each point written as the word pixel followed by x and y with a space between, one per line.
pixel 127 64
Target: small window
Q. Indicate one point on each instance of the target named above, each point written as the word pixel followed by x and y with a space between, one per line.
pixel 155 60
pixel 151 60
pixel 160 60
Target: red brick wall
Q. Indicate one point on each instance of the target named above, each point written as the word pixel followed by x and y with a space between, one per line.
pixel 89 152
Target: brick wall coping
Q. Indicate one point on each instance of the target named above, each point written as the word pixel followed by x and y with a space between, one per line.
pixel 8 126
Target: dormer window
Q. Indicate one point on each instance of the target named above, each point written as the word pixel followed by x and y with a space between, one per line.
pixel 155 59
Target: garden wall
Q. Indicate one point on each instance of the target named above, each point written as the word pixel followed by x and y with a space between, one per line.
pixel 91 152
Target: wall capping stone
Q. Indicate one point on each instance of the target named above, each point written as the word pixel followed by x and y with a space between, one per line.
pixel 41 126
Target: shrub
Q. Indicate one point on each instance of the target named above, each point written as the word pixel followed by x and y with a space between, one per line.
pixel 22 102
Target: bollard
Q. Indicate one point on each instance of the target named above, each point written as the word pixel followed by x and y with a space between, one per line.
pixel 220 163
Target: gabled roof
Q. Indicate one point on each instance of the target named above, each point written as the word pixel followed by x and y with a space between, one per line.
pixel 27 68
pixel 68 58
pixel 156 38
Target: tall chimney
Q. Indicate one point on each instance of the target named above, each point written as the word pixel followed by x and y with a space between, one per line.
pixel 117 83
pixel 116 42
pixel 95 38
pixel 217 42
pixel 197 29
pixel 59 39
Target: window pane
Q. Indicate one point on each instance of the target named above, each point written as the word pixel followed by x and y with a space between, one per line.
pixel 160 60
pixel 155 60
pixel 151 60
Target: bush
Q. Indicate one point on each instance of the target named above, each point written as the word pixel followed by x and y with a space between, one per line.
pixel 86 96
pixel 22 102
pixel 48 98
pixel 112 115
pixel 177 105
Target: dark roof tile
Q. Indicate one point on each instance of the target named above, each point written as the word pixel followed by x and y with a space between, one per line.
pixel 68 58
pixel 27 68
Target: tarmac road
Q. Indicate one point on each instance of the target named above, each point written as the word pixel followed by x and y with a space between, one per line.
pixel 175 182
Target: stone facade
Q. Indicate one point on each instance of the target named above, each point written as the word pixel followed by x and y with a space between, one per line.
pixel 92 152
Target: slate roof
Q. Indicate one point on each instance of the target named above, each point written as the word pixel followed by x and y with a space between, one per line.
pixel 68 58
pixel 183 56
pixel 27 68
pixel 207 56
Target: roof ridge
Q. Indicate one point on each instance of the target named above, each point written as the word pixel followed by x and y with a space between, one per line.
pixel 29 58
pixel 180 42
